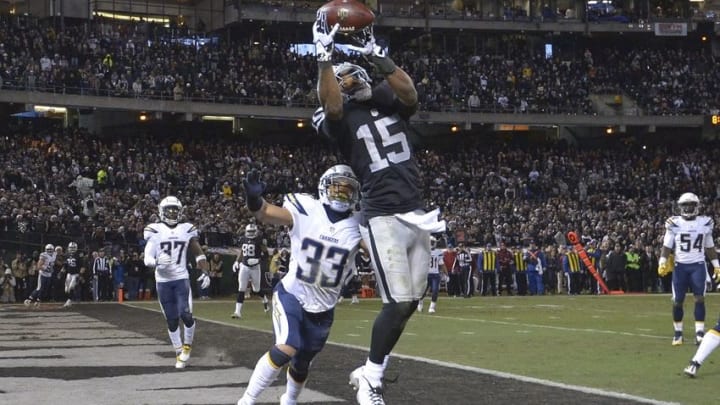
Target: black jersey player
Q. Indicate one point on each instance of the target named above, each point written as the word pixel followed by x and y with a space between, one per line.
pixel 371 128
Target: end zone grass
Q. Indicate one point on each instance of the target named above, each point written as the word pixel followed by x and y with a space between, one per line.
pixel 612 343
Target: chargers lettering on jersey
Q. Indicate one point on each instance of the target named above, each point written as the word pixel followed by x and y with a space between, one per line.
pixel 329 239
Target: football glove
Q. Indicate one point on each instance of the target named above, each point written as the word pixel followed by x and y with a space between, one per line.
pixel 324 37
pixel 164 259
pixel 663 267
pixel 204 280
pixel 374 53
pixel 254 189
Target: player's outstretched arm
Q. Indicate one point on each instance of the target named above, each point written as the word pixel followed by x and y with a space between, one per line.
pixel 398 79
pixel 200 258
pixel 261 209
pixel 328 90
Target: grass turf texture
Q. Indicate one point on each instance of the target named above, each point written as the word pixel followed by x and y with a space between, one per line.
pixel 613 343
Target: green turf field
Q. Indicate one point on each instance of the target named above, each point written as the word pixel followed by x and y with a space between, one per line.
pixel 615 343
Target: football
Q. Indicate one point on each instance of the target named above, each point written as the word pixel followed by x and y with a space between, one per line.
pixel 352 15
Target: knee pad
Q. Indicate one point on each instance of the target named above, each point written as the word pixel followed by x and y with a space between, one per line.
pixel 278 357
pixel 241 297
pixel 173 324
pixel 187 319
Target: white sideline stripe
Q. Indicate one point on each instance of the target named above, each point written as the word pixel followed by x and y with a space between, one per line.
pixel 579 388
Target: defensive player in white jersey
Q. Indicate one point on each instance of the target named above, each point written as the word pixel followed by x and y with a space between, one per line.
pixel 689 237
pixel 45 264
pixel 325 238
pixel 436 264
pixel 166 248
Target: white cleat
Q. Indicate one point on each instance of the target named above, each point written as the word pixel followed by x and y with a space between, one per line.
pixel 28 302
pixel 431 311
pixel 179 363
pixel 235 315
pixel 184 355
pixel 692 369
pixel 245 401
pixel 67 304
pixel 367 394
pixel 355 376
pixel 284 400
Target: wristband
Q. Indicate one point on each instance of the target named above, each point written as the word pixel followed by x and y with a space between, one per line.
pixel 255 203
pixel 662 261
pixel 715 263
pixel 385 66
pixel 198 258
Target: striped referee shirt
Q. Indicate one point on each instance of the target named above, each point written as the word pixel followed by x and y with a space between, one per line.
pixel 101 265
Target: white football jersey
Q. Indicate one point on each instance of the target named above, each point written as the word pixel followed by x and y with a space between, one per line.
pixel 49 258
pixel 175 241
pixel 322 253
pixel 689 238
pixel 436 257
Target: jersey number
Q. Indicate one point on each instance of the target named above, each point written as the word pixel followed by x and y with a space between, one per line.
pixel 168 248
pixel 686 243
pixel 387 140
pixel 248 250
pixel 315 252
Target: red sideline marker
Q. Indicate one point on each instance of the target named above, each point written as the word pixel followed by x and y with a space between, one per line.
pixel 572 237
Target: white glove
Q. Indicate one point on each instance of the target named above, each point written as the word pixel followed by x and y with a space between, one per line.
pixel 164 259
pixel 204 281
pixel 324 37
pixel 368 47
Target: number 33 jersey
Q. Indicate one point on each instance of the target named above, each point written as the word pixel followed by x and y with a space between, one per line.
pixel 174 241
pixel 322 253
pixel 689 238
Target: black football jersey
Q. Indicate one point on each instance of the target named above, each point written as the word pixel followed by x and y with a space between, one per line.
pixel 251 248
pixel 374 137
pixel 72 264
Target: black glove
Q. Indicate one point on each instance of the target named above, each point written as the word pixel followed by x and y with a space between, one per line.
pixel 254 189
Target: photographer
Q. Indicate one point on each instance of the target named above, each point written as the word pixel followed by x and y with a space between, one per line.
pixel 7 286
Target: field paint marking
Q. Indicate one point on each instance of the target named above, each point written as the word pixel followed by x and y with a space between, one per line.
pixel 549 383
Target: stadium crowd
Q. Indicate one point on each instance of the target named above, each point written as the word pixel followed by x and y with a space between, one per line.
pixel 145 60
pixel 101 192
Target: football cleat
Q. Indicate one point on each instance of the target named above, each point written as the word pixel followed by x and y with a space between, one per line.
pixel 67 303
pixel 235 315
pixel 244 401
pixel 28 302
pixel 692 369
pixel 184 355
pixel 284 400
pixel 431 310
pixel 179 363
pixel 677 340
pixel 355 300
pixel 699 337
pixel 367 394
pixel 419 308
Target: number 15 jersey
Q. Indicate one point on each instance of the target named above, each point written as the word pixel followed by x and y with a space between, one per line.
pixel 689 238
pixel 322 253
pixel 374 136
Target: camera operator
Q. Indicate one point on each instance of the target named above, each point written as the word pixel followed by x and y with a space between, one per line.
pixel 7 286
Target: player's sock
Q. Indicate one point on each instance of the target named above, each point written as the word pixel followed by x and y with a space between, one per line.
pixel 420 306
pixel 699 313
pixel 238 307
pixel 386 361
pixel 709 343
pixel 292 387
pixel 266 371
pixel 374 373
pixel 678 327
pixel 175 339
pixel 699 326
pixel 189 333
